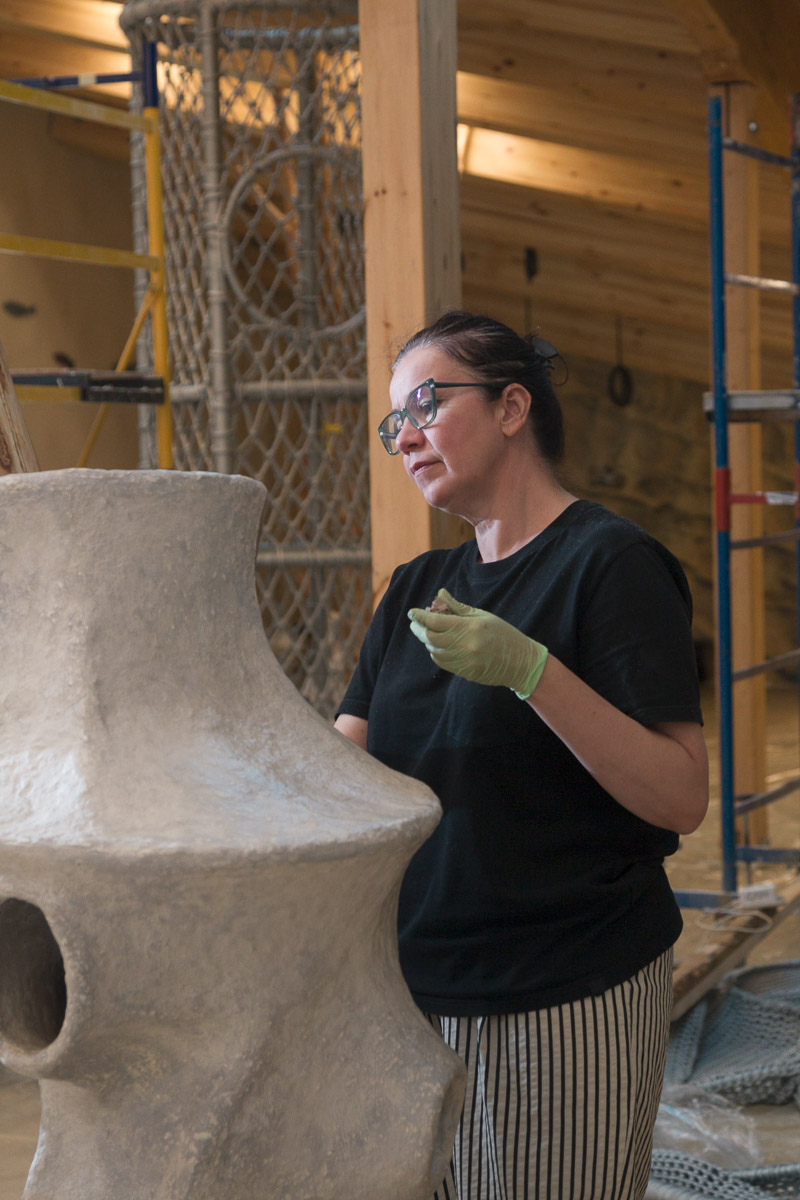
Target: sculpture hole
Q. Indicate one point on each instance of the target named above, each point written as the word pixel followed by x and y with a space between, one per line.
pixel 33 989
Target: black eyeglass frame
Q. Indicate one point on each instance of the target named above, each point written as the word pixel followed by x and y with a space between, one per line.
pixel 384 433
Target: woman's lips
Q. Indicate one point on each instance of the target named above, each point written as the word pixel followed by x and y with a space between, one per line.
pixel 422 466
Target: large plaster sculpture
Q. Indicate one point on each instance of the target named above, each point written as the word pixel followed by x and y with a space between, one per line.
pixel 198 876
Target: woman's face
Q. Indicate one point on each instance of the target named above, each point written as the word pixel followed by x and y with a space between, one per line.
pixel 453 460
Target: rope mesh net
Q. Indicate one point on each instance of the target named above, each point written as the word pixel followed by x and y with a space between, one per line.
pixel 261 169
pixel 677 1176
pixel 741 1042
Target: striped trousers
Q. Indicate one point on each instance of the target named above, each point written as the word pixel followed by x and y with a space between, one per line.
pixel 561 1102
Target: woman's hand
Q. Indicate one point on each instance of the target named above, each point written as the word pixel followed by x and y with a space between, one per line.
pixel 479 646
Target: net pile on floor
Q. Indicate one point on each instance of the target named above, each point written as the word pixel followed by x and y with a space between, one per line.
pixel 676 1176
pixel 741 1042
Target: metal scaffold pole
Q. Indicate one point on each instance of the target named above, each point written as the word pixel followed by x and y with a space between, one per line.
pixel 121 385
pixel 724 406
pixel 155 225
pixel 222 447
pixel 721 495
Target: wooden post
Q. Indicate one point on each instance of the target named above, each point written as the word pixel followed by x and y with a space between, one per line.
pixel 742 228
pixel 16 449
pixel 412 237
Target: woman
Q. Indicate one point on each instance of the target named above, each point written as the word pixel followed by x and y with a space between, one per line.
pixel 554 709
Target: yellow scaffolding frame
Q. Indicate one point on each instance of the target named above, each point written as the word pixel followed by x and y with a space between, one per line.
pixel 154 300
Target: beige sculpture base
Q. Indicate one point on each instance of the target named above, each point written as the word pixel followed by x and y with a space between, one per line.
pixel 198 875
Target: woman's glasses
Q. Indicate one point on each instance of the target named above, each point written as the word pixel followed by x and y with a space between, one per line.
pixel 420 409
pixel 421 403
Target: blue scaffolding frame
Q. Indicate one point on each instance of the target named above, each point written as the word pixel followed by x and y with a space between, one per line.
pixel 752 405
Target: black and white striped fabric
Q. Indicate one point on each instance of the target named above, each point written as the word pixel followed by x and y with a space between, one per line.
pixel 561 1102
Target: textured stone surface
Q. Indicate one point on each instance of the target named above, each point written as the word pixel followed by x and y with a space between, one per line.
pixel 198 875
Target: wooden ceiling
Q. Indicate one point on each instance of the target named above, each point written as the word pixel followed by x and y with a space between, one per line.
pixel 586 141
pixel 581 138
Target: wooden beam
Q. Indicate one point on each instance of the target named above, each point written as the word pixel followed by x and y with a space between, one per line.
pixel 626 21
pixel 601 72
pixel 640 189
pixel 604 217
pixel 408 54
pixel 753 43
pixel 88 22
pixel 593 221
pixel 615 179
pixel 756 43
pixel 26 57
pixel 594 231
pixel 571 119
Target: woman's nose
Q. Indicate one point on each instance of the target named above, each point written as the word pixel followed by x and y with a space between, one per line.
pixel 409 437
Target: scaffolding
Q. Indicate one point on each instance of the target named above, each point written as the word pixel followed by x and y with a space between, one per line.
pixel 120 385
pixel 724 406
pixel 261 157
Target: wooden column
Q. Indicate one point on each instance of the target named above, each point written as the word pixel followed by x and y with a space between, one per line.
pixel 412 238
pixel 742 228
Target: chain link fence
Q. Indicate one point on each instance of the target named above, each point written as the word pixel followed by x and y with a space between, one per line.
pixel 261 167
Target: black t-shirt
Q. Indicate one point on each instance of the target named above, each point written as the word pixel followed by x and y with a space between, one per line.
pixel 537 887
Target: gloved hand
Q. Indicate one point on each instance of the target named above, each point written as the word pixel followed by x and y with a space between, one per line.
pixel 479 646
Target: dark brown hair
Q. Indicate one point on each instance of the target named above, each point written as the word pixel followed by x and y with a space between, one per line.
pixel 498 356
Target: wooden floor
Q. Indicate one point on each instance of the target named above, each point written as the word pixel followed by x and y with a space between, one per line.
pixel 696 865
pixel 19 1127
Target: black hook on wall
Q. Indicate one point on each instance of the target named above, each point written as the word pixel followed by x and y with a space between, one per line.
pixel 620 380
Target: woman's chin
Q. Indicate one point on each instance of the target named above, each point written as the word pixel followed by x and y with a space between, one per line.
pixel 443 501
pixel 435 491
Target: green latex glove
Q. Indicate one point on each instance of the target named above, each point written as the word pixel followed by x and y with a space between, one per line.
pixel 479 646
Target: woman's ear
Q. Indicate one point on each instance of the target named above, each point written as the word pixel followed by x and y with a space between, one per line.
pixel 514 406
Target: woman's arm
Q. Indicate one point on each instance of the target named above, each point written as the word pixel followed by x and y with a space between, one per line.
pixel 354 728
pixel 660 773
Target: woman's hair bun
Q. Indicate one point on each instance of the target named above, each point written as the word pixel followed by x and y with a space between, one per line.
pixel 547 352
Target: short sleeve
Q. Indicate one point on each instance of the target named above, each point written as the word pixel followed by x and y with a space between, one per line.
pixel 358 696
pixel 635 638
